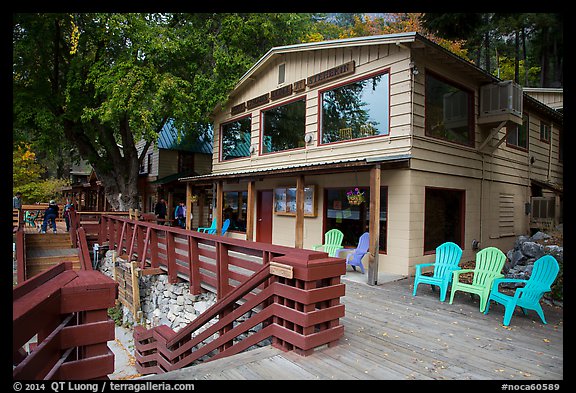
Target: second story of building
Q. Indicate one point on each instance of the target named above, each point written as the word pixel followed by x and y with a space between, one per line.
pixel 383 98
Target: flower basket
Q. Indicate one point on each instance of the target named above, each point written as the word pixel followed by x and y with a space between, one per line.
pixel 355 197
pixel 194 198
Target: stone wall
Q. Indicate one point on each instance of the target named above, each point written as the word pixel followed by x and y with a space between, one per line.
pixel 163 303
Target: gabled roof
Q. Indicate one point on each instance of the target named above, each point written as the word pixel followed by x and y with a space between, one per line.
pixel 170 139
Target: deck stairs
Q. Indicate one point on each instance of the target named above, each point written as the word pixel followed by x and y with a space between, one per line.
pixel 44 250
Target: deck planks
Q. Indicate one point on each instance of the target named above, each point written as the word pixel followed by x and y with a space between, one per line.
pixel 391 335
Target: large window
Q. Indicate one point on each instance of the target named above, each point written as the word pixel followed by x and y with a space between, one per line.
pixel 517 135
pixel 234 205
pixel 283 127
pixel 448 111
pixel 352 220
pixel 443 217
pixel 356 110
pixel 236 139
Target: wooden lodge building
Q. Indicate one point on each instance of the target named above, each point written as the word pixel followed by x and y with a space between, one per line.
pixel 442 151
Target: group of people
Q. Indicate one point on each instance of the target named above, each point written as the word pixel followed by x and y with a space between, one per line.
pixel 50 214
pixel 161 211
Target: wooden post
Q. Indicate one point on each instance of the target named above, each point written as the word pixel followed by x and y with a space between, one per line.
pixel 299 235
pixel 188 205
pixel 374 225
pixel 250 209
pixel 219 206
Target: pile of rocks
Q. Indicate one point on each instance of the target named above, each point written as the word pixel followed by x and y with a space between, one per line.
pixel 161 302
pixel 527 249
pixel 168 304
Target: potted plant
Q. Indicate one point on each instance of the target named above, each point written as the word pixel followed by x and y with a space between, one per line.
pixel 355 197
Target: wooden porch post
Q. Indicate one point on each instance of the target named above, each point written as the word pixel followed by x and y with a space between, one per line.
pixel 299 235
pixel 219 205
pixel 250 208
pixel 374 225
pixel 188 205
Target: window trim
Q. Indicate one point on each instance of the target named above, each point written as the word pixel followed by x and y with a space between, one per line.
pixel 344 83
pixel 549 124
pixel 462 213
pixel 221 139
pixel 517 147
pixel 471 109
pixel 301 97
pixel 367 188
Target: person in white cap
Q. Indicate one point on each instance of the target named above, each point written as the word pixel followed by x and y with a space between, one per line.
pixel 50 214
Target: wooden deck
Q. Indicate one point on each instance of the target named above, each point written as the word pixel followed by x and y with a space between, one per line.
pixel 391 335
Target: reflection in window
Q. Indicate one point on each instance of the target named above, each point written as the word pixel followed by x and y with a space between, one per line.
pixel 517 135
pixel 235 209
pixel 448 112
pixel 354 220
pixel 356 110
pixel 236 139
pixel 284 127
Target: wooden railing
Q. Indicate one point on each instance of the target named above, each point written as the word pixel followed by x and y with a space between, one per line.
pixel 66 310
pixel 290 296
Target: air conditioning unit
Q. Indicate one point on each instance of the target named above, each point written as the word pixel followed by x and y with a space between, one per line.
pixel 500 101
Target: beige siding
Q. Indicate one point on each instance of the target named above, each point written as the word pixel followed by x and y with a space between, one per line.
pixel 300 66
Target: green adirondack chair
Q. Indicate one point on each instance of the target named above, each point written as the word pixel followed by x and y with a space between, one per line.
pixel 489 264
pixel 447 258
pixel 528 297
pixel 332 242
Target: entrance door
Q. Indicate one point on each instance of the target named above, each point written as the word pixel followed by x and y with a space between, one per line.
pixel 264 216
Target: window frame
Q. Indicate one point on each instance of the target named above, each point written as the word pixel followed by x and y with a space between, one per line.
pixel 543 126
pixel 383 191
pixel 462 211
pixel 240 201
pixel 471 106
pixel 221 139
pixel 321 92
pixel 262 130
pixel 516 130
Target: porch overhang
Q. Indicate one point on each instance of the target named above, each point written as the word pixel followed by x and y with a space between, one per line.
pixel 386 162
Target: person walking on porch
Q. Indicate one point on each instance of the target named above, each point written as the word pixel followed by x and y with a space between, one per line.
pixel 180 214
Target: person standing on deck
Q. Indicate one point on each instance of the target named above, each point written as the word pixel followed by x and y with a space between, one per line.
pixel 180 215
pixel 17 201
pixel 67 208
pixel 50 214
pixel 160 211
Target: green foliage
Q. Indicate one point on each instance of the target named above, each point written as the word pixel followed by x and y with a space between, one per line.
pixel 506 71
pixel 116 314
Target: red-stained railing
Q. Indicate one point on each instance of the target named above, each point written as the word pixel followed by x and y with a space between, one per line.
pixel 66 311
pixel 290 296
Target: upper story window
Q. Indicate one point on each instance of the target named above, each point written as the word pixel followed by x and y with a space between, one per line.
pixel 235 139
pixel 545 131
pixel 356 110
pixel 517 135
pixel 449 110
pixel 281 73
pixel 284 126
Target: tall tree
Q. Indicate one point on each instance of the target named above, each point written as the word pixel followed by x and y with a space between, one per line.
pixel 103 82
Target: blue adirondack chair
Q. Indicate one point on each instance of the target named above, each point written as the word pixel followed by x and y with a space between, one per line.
pixel 225 226
pixel 210 229
pixel 488 267
pixel 332 242
pixel 354 258
pixel 528 297
pixel 447 259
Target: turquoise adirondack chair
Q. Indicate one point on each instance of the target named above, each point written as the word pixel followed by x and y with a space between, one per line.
pixel 210 229
pixel 354 258
pixel 30 217
pixel 489 264
pixel 528 297
pixel 447 259
pixel 332 242
pixel 225 226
